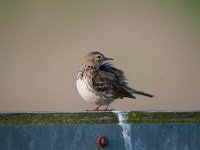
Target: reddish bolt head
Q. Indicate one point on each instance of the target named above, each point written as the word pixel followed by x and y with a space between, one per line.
pixel 102 141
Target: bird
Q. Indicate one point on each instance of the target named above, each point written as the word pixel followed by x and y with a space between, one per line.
pixel 100 83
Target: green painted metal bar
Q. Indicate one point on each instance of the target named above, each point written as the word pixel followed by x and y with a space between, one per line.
pixel 97 118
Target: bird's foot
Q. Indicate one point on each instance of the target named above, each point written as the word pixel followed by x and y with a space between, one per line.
pixel 100 110
pixel 92 110
pixel 96 109
pixel 107 109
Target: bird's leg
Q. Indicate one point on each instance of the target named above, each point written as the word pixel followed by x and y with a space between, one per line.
pixel 96 109
pixel 106 109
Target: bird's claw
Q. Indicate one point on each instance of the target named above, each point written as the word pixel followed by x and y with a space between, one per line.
pixel 100 110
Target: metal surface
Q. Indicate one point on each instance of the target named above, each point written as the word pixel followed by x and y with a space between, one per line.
pixel 83 137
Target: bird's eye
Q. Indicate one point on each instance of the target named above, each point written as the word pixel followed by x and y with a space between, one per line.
pixel 99 57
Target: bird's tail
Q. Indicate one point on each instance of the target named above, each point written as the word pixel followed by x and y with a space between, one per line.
pixel 133 91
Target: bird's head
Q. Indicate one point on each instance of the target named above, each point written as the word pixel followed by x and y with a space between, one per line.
pixel 95 59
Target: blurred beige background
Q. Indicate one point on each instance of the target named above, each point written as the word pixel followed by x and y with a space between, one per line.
pixel 42 44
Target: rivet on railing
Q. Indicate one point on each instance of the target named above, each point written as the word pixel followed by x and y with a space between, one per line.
pixel 102 141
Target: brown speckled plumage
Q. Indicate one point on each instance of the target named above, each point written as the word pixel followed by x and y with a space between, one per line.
pixel 99 83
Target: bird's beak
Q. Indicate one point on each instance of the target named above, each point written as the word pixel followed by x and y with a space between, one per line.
pixel 108 59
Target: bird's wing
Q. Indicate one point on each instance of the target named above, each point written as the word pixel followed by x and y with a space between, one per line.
pixel 112 82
